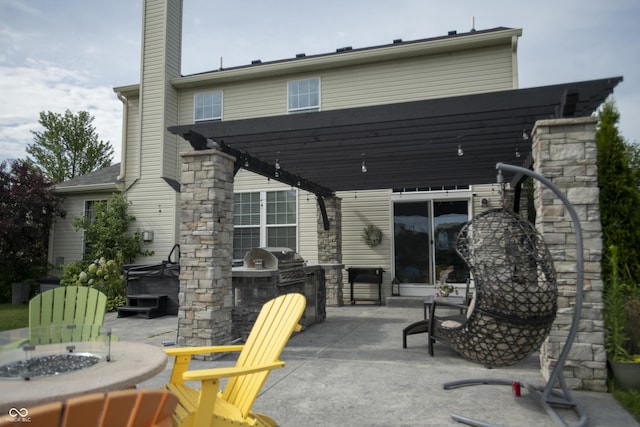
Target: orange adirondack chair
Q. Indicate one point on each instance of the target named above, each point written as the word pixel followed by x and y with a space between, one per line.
pixel 52 313
pixel 126 408
pixel 277 321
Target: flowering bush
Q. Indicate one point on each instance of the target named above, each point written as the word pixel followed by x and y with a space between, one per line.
pixel 444 289
pixel 104 275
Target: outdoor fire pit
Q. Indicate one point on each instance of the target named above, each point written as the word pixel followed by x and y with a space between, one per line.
pixel 27 361
pixel 44 366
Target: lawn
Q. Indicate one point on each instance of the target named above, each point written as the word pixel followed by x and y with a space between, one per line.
pixel 629 399
pixel 13 316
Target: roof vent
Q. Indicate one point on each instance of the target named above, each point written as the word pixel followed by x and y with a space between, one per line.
pixel 396 41
pixel 256 61
pixel 300 55
pixel 344 49
pixel 453 33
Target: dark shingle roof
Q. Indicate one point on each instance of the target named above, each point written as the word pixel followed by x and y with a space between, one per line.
pixel 108 175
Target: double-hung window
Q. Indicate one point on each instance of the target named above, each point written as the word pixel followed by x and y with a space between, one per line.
pixel 303 96
pixel 90 215
pixel 266 218
pixel 207 106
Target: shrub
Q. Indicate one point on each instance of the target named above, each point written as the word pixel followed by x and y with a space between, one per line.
pixel 103 275
pixel 107 232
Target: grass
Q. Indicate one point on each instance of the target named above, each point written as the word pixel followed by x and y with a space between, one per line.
pixel 13 316
pixel 629 399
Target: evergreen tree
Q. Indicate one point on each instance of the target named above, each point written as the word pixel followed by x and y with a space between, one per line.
pixel 68 147
pixel 619 198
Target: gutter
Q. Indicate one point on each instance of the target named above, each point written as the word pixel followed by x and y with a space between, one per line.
pixel 123 144
pixel 113 187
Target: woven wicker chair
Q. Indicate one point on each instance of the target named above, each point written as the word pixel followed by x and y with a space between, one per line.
pixel 516 291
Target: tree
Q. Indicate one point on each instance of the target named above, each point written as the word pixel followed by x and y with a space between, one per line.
pixel 68 147
pixel 619 199
pixel 633 151
pixel 107 235
pixel 108 246
pixel 27 210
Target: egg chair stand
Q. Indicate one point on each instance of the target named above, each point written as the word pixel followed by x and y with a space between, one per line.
pixel 547 396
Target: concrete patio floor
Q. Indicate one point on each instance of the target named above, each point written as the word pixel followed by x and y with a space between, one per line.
pixel 351 370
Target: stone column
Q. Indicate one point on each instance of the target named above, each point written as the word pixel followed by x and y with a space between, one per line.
pixel 330 250
pixel 206 248
pixel 565 152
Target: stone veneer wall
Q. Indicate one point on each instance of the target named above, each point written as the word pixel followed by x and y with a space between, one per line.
pixel 206 248
pixel 565 152
pixel 330 250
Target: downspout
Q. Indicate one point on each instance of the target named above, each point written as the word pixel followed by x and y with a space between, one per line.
pixel 123 145
pixel 514 61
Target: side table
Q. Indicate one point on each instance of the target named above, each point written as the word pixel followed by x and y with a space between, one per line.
pixel 422 326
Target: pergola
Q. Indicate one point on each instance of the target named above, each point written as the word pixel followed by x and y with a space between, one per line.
pixel 442 142
pixel 412 145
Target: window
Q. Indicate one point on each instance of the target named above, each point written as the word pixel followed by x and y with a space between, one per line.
pixel 207 106
pixel 88 210
pixel 246 219
pixel 425 230
pixel 304 96
pixel 267 218
pixel 90 214
pixel 281 219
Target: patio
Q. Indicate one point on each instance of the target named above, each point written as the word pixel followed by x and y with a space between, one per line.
pixel 352 370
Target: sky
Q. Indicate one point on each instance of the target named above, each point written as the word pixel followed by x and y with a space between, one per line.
pixel 58 55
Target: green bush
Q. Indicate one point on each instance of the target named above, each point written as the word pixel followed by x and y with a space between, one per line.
pixel 107 232
pixel 619 200
pixel 103 275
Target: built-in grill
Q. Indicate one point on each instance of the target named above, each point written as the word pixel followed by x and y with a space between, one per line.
pixel 288 264
pixel 267 273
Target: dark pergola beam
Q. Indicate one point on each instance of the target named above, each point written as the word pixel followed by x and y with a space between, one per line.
pixel 323 213
pixel 255 165
pixel 405 145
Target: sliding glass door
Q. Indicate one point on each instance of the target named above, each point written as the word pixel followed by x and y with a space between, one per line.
pixel 425 233
pixel 448 219
pixel 412 237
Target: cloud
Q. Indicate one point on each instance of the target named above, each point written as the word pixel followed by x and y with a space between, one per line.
pixel 43 86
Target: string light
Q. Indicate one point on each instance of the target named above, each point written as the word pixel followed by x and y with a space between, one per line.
pixel 363 168
pixel 460 151
pixel 277 165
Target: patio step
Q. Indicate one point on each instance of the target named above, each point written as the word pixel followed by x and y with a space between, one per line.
pixel 405 302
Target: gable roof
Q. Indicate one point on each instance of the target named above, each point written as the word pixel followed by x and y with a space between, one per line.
pixel 403 145
pixel 342 57
pixel 105 179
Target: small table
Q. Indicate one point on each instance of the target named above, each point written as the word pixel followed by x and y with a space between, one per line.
pixel 422 326
pixel 131 363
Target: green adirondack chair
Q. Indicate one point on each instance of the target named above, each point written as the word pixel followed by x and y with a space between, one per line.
pixel 64 314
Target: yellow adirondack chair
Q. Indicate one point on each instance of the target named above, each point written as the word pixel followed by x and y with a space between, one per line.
pixel 126 408
pixel 277 321
pixel 52 312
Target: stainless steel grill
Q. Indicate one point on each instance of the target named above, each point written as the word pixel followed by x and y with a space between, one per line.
pixel 269 272
pixel 288 263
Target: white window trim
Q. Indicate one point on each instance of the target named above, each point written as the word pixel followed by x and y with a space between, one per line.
pixel 209 118
pixel 85 211
pixel 263 216
pixel 309 109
